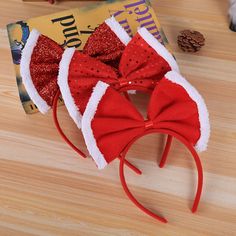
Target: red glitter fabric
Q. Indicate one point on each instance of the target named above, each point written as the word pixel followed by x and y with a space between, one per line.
pixel 44 66
pixel 140 68
pixel 104 45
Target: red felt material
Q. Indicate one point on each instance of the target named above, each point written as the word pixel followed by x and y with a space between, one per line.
pixel 117 121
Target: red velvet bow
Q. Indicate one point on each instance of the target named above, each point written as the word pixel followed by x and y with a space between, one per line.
pixel 143 63
pixel 110 122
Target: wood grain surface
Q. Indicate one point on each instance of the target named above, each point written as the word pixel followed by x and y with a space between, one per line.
pixel 46 189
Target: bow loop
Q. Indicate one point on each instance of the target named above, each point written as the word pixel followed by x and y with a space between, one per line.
pixel 107 42
pixel 144 58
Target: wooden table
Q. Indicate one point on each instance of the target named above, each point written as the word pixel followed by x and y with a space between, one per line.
pixel 46 189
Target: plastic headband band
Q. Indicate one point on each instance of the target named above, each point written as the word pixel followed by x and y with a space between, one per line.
pixel 197 162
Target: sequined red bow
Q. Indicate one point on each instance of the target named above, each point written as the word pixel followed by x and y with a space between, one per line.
pixel 143 63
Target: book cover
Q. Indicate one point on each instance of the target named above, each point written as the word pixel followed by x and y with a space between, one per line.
pixel 71 28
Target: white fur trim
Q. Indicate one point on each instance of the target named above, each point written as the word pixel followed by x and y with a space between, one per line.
pixel 64 86
pixel 90 111
pixel 159 48
pixel 118 30
pixel 26 75
pixel 201 144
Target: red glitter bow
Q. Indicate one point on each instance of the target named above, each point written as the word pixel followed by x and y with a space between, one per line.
pixel 143 63
pixel 41 57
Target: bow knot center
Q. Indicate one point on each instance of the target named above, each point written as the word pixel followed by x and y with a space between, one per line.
pixel 148 124
pixel 123 82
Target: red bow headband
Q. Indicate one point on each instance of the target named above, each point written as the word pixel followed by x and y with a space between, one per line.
pixel 110 124
pixel 41 57
pixel 143 63
pixel 110 121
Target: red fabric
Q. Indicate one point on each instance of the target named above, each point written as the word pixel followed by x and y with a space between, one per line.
pixel 84 72
pixel 140 68
pixel 117 121
pixel 140 62
pixel 104 45
pixel 44 66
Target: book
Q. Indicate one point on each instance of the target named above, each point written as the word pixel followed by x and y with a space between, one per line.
pixel 71 28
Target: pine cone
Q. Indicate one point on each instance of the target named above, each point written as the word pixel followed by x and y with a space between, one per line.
pixel 190 41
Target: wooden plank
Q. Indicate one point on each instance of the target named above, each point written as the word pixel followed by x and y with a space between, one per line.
pixel 45 189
